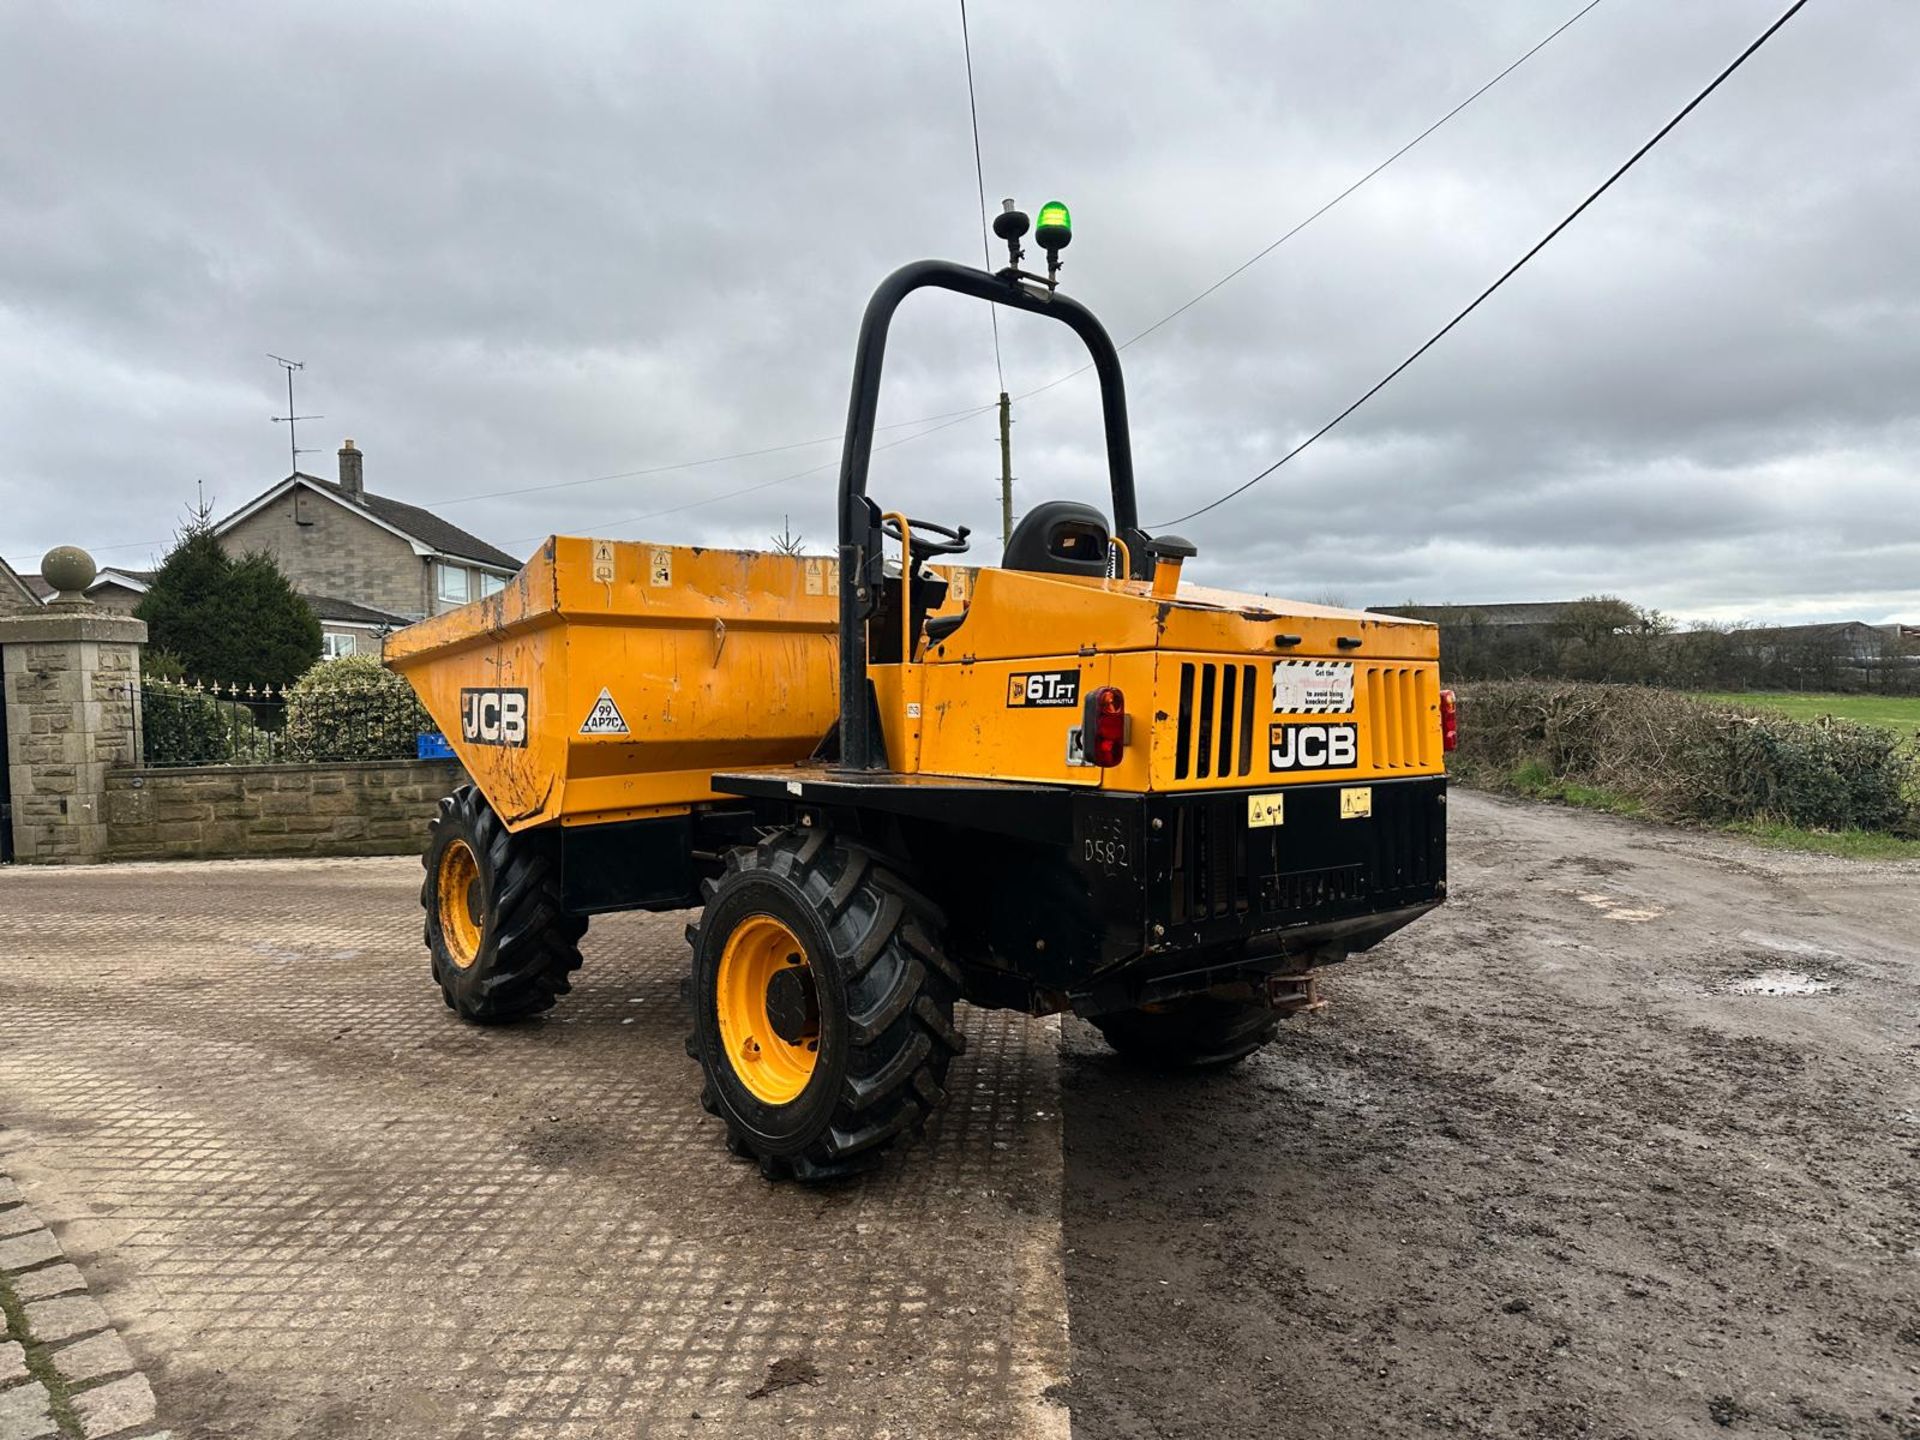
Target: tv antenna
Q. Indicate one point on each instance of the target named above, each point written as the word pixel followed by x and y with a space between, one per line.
pixel 289 419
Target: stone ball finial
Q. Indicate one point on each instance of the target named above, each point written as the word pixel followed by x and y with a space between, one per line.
pixel 69 570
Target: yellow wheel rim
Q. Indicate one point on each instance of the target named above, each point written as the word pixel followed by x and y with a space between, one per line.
pixel 768 1010
pixel 458 895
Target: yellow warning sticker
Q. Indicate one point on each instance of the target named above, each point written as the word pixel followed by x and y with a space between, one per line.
pixel 1356 802
pixel 603 562
pixel 816 575
pixel 660 566
pixel 1269 809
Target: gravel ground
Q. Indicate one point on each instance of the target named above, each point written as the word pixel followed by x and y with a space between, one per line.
pixel 1540 1168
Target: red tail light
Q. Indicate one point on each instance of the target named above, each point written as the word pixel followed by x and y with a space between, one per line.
pixel 1103 727
pixel 1449 720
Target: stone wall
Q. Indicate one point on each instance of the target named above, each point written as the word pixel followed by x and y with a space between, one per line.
pixel 378 807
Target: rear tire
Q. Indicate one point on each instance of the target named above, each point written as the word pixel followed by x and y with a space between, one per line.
pixel 1197 1033
pixel 502 943
pixel 822 1005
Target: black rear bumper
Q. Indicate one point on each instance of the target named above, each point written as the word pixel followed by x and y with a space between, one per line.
pixel 1212 878
pixel 1084 898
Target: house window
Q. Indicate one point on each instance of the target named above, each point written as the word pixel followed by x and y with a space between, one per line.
pixel 453 584
pixel 335 645
pixel 490 584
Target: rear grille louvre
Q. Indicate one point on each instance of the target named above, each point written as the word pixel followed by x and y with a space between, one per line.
pixel 1213 735
pixel 1401 700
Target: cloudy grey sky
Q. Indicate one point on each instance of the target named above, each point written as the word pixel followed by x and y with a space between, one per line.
pixel 522 245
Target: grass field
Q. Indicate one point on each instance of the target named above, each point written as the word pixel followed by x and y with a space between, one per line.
pixel 1894 712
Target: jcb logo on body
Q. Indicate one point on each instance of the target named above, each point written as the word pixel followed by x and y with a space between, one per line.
pixel 1049 688
pixel 493 717
pixel 1313 747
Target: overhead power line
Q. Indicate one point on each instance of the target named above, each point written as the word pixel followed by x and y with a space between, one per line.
pixel 769 484
pixel 980 185
pixel 953 415
pixel 1510 272
pixel 1248 264
pixel 987 252
pixel 967 413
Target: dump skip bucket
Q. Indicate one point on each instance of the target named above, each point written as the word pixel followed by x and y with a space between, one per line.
pixel 611 679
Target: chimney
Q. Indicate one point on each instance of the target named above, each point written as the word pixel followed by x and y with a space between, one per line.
pixel 350 480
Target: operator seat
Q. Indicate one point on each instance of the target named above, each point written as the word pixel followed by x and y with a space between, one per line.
pixel 1059 537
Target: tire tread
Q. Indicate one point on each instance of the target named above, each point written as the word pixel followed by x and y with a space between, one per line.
pixel 902 990
pixel 536 943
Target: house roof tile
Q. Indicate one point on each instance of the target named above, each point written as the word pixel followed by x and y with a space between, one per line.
pixel 329 607
pixel 423 525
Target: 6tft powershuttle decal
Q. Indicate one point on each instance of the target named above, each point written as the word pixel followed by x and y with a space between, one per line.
pixel 891 782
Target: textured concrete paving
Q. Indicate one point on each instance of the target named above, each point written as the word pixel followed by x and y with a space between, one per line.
pixel 315 1204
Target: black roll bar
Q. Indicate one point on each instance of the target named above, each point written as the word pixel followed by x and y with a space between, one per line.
pixel 860 572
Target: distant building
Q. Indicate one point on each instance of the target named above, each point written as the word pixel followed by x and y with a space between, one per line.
pixel 1526 613
pixel 16 596
pixel 350 629
pixel 335 538
pixel 112 589
pixel 345 628
pixel 365 564
pixel 1845 642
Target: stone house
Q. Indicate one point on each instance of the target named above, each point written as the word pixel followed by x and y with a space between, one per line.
pixel 346 628
pixel 366 563
pixel 16 596
pixel 113 589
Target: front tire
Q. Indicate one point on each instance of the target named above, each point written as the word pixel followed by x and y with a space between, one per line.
pixel 503 945
pixel 822 1005
pixel 1200 1032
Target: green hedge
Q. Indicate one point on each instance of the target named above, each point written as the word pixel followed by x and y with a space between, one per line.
pixel 187 727
pixel 1688 759
pixel 353 709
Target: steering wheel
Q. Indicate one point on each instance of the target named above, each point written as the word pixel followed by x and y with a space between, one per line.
pixel 954 543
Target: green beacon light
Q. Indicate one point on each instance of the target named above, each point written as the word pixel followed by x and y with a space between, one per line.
pixel 1055 227
pixel 1054 231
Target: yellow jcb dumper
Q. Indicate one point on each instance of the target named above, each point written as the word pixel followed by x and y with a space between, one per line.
pixel 1068 783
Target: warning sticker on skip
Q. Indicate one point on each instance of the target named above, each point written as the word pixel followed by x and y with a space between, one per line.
pixel 1313 687
pixel 605 718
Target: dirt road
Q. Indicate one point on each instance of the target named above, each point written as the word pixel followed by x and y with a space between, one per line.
pixel 1537 1169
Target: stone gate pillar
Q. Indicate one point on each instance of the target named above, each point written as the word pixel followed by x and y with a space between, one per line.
pixel 72 676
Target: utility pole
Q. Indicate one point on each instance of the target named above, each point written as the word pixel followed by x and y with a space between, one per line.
pixel 289 419
pixel 1006 469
